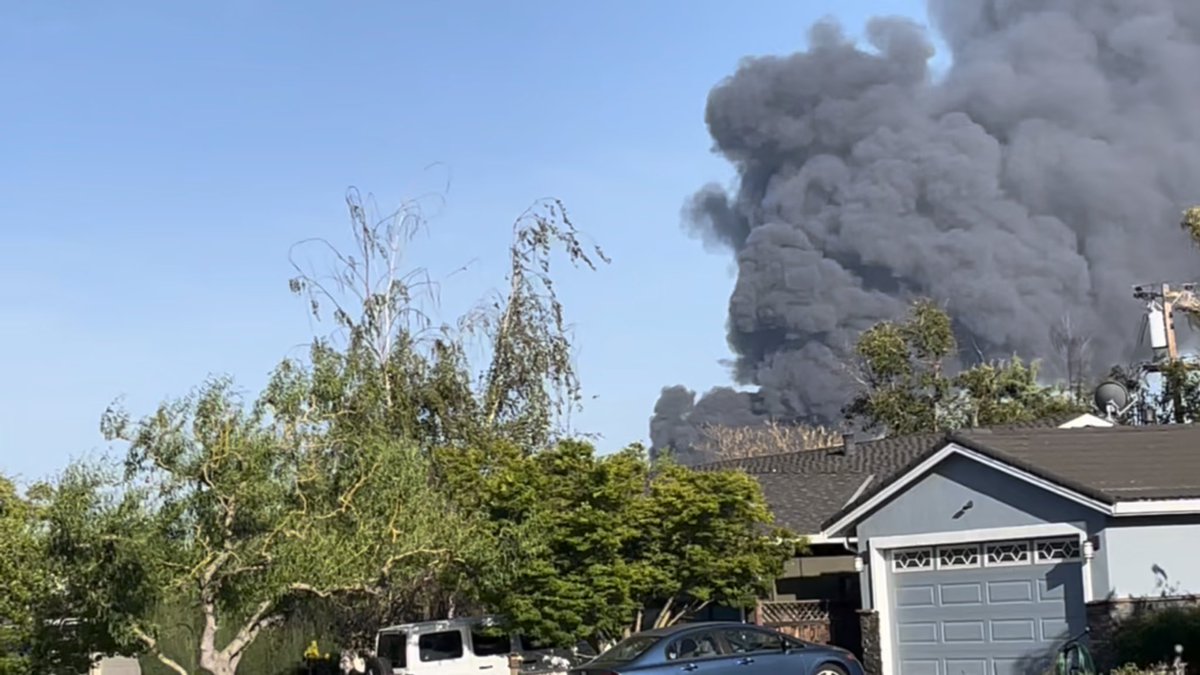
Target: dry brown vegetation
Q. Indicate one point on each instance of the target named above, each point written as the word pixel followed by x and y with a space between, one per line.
pixel 723 442
pixel 1191 223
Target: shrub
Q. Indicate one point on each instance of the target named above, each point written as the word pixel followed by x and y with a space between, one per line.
pixel 1149 637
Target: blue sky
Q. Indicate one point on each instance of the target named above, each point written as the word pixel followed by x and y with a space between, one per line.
pixel 158 159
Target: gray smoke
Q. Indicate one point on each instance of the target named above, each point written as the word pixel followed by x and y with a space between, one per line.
pixel 1032 184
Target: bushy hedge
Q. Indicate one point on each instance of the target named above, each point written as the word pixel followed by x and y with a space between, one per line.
pixel 1149 637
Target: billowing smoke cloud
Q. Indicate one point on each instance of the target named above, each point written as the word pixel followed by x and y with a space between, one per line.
pixel 1038 179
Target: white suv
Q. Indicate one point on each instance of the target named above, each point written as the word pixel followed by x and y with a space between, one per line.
pixel 465 646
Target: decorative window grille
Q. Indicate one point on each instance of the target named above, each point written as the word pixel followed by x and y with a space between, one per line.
pixel 958 557
pixel 1007 553
pixel 1057 550
pixel 913 559
pixel 989 554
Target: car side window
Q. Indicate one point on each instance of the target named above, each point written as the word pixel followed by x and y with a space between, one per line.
pixel 750 641
pixel 694 646
pixel 440 646
pixel 490 643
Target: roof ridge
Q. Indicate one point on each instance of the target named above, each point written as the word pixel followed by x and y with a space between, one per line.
pixel 827 449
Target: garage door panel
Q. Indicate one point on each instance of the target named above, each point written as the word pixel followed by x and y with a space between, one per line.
pixel 1014 630
pixel 920 667
pixel 1006 619
pixel 963 631
pixel 1002 666
pixel 962 594
pixel 967 667
pixel 1010 590
pixel 914 633
pixel 916 596
pixel 1056 629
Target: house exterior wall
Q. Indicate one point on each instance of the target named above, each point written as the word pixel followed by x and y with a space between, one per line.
pixel 1147 556
pixel 939 501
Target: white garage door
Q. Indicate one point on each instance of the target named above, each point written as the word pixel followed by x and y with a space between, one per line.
pixel 992 608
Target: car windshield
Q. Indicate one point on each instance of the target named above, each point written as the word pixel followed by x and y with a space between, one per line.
pixel 629 649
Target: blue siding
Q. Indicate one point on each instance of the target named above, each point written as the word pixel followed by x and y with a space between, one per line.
pixel 936 503
pixel 1134 548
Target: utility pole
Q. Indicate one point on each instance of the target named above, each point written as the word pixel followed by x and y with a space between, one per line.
pixel 1163 301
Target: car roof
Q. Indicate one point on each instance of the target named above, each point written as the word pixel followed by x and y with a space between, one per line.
pixel 685 627
pixel 441 625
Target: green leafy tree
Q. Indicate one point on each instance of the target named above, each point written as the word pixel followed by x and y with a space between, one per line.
pixel 703 538
pixel 907 384
pixel 562 517
pixel 245 519
pixel 602 543
pixel 1007 392
pixel 53 615
pixel 95 536
pixel 22 569
pixel 1176 399
pixel 232 519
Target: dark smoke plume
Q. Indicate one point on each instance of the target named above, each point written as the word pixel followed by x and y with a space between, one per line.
pixel 1030 186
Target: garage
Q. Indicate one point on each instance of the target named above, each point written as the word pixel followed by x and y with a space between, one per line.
pixel 986 608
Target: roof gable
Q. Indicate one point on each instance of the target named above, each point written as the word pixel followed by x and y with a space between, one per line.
pixel 1097 467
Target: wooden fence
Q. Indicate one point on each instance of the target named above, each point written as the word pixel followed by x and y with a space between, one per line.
pixel 820 621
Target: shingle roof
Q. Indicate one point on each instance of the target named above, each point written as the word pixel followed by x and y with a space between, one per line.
pixel 1107 464
pixel 808 489
pixel 1112 465
pixel 804 488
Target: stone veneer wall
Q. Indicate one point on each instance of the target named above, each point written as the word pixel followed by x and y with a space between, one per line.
pixel 872 658
pixel 1104 619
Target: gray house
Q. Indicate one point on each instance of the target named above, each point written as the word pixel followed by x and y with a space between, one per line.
pixel 819 594
pixel 987 550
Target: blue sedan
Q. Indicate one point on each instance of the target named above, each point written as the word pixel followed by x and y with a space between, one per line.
pixel 720 649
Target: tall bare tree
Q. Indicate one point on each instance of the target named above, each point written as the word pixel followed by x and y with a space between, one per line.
pixel 412 370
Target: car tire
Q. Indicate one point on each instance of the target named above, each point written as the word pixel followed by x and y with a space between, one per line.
pixel 378 666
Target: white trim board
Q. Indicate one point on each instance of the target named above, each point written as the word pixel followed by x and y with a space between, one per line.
pixel 880 549
pixel 1156 507
pixel 822 538
pixel 1127 508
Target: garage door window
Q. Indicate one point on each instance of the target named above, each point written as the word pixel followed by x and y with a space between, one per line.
pixel 912 559
pixel 1007 553
pixel 1051 551
pixel 961 557
pixel 989 554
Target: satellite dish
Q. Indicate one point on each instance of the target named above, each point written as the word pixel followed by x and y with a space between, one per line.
pixel 1111 397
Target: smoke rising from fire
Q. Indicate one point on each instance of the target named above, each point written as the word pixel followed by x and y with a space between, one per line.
pixel 1034 182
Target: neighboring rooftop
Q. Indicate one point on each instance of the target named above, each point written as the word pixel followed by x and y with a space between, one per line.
pixel 806 488
pixel 1111 465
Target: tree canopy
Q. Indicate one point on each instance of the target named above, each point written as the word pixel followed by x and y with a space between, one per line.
pixel 22 570
pixel 387 477
pixel 611 544
pixel 249 513
pixel 908 385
